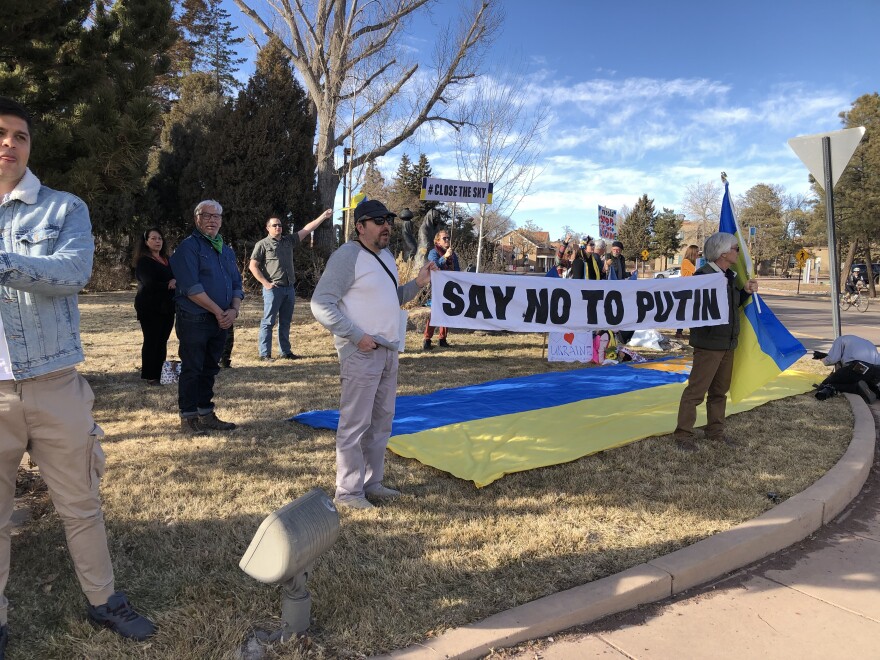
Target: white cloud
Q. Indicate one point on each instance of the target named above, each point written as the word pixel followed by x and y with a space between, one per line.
pixel 609 141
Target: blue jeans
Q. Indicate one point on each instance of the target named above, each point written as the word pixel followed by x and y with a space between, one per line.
pixel 201 346
pixel 277 305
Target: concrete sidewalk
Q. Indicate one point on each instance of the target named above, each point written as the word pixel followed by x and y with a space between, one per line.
pixel 818 598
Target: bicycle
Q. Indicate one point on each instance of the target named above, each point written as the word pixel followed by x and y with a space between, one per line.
pixel 859 299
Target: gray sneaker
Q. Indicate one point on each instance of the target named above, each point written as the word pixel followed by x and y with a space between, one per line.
pixel 118 615
pixel 191 426
pixel 211 421
pixel 353 503
pixel 382 492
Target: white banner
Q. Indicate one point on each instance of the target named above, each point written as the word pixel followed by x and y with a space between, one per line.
pixel 519 303
pixel 449 190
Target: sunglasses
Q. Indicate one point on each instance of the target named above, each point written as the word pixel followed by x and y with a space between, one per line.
pixel 388 219
pixel 274 226
pixel 444 238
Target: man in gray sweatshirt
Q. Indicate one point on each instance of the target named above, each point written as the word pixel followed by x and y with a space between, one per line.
pixel 358 299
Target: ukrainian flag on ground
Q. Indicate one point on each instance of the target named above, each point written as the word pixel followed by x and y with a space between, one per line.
pixel 765 347
pixel 482 432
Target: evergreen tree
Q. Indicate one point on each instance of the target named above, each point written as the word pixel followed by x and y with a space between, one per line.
pixel 762 207
pixel 404 176
pixel 374 184
pixel 857 194
pixel 637 231
pixel 269 167
pixel 667 234
pixel 401 194
pixel 175 186
pixel 419 171
pixel 90 88
pixel 39 53
pixel 213 42
pixel 181 54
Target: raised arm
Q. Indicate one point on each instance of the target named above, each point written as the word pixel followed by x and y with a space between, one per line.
pixel 313 225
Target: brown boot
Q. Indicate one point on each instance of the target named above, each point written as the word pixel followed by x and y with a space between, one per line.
pixel 211 421
pixel 686 445
pixel 191 426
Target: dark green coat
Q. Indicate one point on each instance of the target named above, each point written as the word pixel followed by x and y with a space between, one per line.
pixel 721 337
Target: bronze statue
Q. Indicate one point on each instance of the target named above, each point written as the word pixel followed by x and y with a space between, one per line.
pixel 409 239
pixel 430 225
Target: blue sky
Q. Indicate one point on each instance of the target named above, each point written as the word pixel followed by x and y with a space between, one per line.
pixel 648 97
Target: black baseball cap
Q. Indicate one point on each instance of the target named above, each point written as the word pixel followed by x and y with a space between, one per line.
pixel 371 208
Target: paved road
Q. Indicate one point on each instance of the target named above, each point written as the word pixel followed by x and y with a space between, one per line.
pixel 808 317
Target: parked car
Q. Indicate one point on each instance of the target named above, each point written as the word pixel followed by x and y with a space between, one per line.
pixel 863 272
pixel 675 271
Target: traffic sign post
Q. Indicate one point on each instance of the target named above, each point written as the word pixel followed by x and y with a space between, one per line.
pixel 815 152
pixel 801 259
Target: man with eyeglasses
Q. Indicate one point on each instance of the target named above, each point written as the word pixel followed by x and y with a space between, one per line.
pixel 713 351
pixel 209 295
pixel 445 258
pixel 358 299
pixel 272 266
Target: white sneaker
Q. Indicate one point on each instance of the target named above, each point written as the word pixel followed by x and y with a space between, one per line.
pixel 353 503
pixel 383 492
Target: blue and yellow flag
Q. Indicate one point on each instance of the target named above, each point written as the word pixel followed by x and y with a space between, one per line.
pixel 484 431
pixel 765 347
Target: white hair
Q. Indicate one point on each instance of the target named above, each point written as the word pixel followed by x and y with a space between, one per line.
pixel 208 202
pixel 717 244
pixel 600 243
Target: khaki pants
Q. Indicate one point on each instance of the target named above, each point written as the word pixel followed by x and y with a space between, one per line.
pixel 710 377
pixel 50 416
pixel 366 409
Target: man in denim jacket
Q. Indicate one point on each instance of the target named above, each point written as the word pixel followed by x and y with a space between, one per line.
pixel 46 250
pixel 209 294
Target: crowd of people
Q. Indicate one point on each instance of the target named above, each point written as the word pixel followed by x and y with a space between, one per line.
pixel 47 404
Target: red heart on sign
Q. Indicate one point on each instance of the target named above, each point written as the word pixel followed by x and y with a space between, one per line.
pixel 569 337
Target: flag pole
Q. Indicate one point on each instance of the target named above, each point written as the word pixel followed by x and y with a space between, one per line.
pixel 744 250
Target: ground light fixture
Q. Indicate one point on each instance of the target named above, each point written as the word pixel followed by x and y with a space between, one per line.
pixel 284 549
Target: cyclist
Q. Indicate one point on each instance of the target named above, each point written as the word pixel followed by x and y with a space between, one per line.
pixel 851 281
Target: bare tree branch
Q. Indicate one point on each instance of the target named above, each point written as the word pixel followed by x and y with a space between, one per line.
pixel 350 52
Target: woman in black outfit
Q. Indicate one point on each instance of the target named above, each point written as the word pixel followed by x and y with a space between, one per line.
pixel 154 302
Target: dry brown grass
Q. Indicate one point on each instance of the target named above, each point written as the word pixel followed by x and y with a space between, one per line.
pixel 181 512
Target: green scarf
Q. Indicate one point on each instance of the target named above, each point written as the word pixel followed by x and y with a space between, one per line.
pixel 216 242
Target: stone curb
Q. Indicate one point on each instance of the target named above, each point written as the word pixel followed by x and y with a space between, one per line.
pixel 706 560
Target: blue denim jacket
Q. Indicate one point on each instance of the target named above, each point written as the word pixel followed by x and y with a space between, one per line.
pixel 198 268
pixel 46 251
